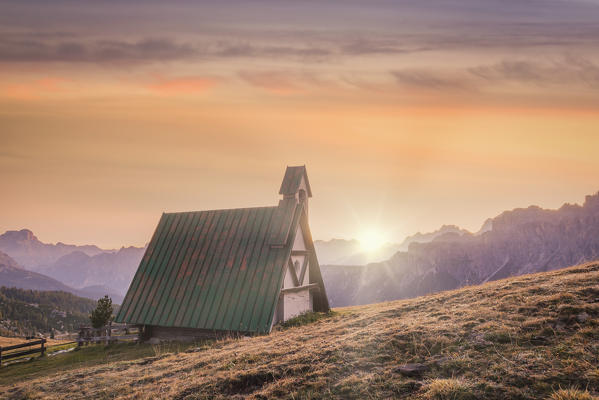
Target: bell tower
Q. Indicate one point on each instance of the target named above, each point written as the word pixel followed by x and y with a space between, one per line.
pixel 296 186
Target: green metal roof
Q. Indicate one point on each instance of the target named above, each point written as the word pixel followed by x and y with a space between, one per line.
pixel 216 270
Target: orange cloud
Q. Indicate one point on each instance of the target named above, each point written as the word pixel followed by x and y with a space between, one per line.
pixel 33 89
pixel 183 85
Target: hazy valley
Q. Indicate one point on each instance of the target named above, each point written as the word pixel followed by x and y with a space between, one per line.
pixel 516 242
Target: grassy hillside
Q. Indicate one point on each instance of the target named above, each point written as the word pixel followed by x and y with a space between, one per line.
pixel 529 337
pixel 26 312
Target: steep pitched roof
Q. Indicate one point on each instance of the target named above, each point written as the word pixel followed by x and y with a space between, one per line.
pixel 293 179
pixel 216 270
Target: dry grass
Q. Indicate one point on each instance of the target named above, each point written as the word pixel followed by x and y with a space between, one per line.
pixel 572 394
pixel 449 389
pixel 521 338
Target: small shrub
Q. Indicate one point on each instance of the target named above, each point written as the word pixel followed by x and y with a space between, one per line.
pixel 571 394
pixel 499 337
pixel 436 345
pixel 568 309
pixel 532 324
pixel 589 292
pixel 454 366
pixel 449 389
pixel 557 299
pixel 528 310
pixel 158 349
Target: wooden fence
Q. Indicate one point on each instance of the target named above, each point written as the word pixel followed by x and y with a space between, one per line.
pixel 111 333
pixel 6 352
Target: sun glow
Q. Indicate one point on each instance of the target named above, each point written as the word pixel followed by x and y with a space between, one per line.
pixel 371 240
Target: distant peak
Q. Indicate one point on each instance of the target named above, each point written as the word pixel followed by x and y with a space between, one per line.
pixel 449 226
pixel 22 235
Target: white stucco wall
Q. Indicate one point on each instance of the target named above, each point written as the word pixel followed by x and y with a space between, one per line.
pixel 296 303
pixel 298 243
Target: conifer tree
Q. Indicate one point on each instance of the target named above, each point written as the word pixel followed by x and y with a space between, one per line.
pixel 103 313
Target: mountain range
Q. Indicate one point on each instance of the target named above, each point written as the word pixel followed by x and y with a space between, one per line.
pixel 86 271
pixel 113 270
pixel 89 270
pixel 14 275
pixel 515 242
pixel 25 248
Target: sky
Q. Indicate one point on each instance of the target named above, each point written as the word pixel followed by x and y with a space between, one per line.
pixel 408 115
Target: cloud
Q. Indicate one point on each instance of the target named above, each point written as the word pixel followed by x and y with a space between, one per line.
pixel 306 45
pixel 571 70
pixel 282 82
pixel 380 45
pixel 303 31
pixel 522 71
pixel 225 49
pixel 430 80
pixel 33 49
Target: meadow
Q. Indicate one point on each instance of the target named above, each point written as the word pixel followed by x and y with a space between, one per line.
pixel 527 337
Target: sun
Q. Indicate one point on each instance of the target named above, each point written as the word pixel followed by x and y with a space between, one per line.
pixel 371 240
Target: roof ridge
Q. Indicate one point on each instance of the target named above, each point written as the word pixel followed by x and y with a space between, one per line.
pixel 220 209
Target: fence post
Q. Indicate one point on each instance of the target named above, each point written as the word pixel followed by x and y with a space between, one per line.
pixel 141 333
pixel 43 347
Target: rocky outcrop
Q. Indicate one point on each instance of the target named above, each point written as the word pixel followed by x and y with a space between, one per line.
pixel 429 237
pixel 516 242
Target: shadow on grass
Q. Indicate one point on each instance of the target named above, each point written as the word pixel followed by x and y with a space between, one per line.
pixel 305 319
pixel 88 356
